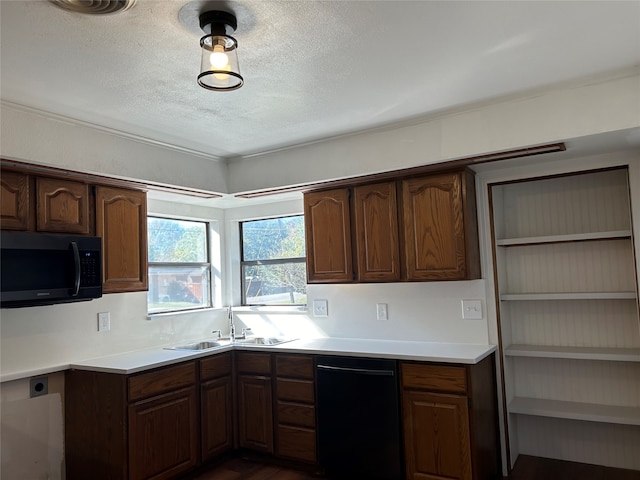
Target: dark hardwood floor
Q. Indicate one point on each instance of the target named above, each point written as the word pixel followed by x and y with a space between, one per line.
pixel 526 468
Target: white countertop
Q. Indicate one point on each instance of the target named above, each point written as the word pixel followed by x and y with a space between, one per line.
pixel 461 353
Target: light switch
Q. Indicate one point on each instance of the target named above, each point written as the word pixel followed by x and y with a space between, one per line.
pixel 320 308
pixel 104 321
pixel 381 311
pixel 472 309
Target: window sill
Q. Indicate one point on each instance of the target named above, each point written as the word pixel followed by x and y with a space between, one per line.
pixel 271 309
pixel 151 316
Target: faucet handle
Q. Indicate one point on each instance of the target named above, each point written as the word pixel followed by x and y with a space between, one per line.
pixel 218 332
pixel 246 330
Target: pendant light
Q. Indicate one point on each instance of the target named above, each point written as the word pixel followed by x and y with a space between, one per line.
pixel 219 69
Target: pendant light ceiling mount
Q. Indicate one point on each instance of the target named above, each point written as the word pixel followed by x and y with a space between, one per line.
pixel 219 69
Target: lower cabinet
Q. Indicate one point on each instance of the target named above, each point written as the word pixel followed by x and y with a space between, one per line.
pixel 216 399
pixel 163 423
pixel 295 408
pixel 255 413
pixel 163 435
pixel 146 425
pixel 450 421
pixel 280 387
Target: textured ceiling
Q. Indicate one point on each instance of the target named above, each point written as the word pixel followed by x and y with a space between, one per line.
pixel 313 69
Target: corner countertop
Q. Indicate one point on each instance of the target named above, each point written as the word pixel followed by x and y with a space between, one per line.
pixel 460 353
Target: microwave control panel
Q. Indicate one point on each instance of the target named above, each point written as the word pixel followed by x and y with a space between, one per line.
pixel 90 269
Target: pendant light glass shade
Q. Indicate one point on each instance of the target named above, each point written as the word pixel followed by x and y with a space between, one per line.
pixel 219 69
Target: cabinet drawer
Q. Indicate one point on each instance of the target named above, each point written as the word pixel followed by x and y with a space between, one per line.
pixel 296 414
pixel 259 363
pixel 297 443
pixel 434 377
pixel 295 390
pixel 294 366
pixel 163 380
pixel 215 366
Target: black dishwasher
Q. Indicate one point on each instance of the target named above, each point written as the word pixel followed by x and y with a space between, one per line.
pixel 359 418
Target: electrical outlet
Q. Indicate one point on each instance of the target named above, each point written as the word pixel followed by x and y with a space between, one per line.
pixel 320 308
pixel 104 321
pixel 472 309
pixel 381 311
pixel 38 386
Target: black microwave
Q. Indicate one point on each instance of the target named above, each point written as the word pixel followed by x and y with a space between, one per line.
pixel 42 269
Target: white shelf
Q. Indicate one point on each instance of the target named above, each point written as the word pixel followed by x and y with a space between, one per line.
pixel 574 237
pixel 578 353
pixel 575 411
pixel 569 296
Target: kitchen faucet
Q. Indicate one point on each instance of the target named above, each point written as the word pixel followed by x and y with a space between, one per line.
pixel 232 327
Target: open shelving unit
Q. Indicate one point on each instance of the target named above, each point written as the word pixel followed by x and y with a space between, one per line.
pixel 568 315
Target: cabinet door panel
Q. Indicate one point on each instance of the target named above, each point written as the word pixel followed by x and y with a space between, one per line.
pixel 328 236
pixel 15 201
pixel 434 227
pixel 163 435
pixel 295 366
pixel 163 380
pixel 295 390
pixel 62 206
pixel 121 221
pixel 297 443
pixel 217 414
pixel 436 430
pixel 376 225
pixel 255 414
pixel 296 414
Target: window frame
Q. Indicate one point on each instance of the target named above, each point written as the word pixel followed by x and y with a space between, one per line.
pixel 208 266
pixel 280 261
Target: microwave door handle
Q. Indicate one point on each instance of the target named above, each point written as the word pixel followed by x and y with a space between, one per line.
pixel 76 261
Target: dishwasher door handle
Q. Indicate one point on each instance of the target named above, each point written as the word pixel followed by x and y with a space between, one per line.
pixel 360 371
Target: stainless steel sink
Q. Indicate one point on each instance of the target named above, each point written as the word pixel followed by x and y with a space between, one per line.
pixel 200 345
pixel 264 340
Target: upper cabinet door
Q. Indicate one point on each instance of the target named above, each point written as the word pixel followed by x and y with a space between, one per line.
pixel 376 225
pixel 434 227
pixel 328 236
pixel 62 206
pixel 15 188
pixel 121 221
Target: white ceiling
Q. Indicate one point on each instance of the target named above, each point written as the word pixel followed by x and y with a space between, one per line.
pixel 313 69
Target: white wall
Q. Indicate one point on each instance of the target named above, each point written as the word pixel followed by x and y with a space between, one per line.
pixel 578 109
pixel 46 139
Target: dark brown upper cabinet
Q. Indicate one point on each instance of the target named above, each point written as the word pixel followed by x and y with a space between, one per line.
pixel 440 227
pixel 327 217
pixel 376 232
pixel 62 206
pixel 16 200
pixel 407 229
pixel 121 221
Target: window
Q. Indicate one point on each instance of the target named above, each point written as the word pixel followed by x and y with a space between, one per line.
pixel 273 263
pixel 179 268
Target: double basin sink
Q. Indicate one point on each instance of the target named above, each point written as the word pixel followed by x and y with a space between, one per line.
pixel 209 344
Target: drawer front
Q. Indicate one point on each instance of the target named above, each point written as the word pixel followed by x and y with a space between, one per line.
pixel 441 378
pixel 163 380
pixel 215 366
pixel 295 366
pixel 297 443
pixel 296 414
pixel 259 363
pixel 295 390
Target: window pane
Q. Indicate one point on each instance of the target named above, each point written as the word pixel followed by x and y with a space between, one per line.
pixel 274 238
pixel 176 240
pixel 278 284
pixel 178 288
